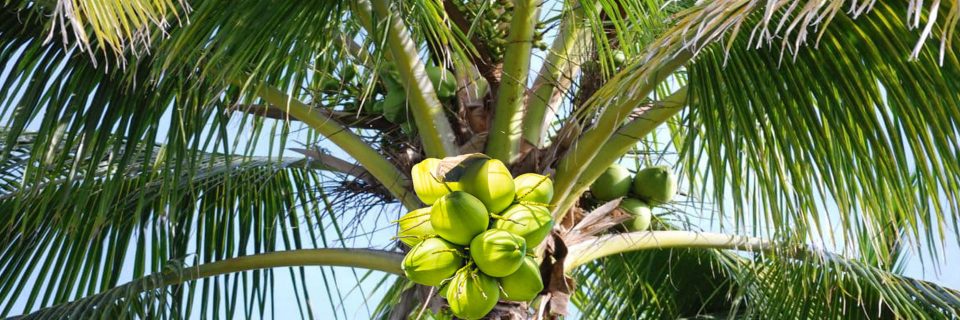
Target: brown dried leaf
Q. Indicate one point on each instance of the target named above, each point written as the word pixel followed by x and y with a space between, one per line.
pixel 597 221
pixel 451 168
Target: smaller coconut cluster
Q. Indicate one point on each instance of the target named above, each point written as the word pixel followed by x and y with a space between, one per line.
pixel 476 239
pixel 652 186
pixel 393 106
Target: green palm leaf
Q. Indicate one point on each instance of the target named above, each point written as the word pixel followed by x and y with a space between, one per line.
pixel 831 137
pixel 72 235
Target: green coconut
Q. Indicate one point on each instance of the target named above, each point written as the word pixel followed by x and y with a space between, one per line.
pixel 415 226
pixel 376 107
pixel 532 222
pixel 481 87
pixel 619 58
pixel 533 187
pixel 458 217
pixel 471 294
pixel 491 182
pixel 655 185
pixel 498 253
pixel 443 81
pixel 640 212
pixel 428 187
pixel 395 106
pixel 408 128
pixel 612 184
pixel 348 73
pixel 525 283
pixel 330 85
pixel 432 261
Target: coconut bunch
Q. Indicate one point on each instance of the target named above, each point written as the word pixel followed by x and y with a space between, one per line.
pixel 476 240
pixel 393 105
pixel 652 186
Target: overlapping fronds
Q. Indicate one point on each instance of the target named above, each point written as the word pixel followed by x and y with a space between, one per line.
pixel 812 115
pixel 654 284
pixel 115 27
pixel 788 282
pixel 824 107
pixel 70 238
pixel 852 135
pixel 707 283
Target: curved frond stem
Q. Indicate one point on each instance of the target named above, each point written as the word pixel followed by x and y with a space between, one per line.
pixel 556 76
pixel 436 133
pixel 505 131
pixel 346 118
pixel 379 260
pixel 379 167
pixel 606 245
pixel 582 152
pixel 351 257
pixel 627 136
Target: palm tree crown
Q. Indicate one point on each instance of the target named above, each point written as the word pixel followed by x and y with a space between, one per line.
pixel 176 159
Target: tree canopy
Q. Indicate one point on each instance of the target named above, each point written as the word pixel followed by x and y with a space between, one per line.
pixel 164 159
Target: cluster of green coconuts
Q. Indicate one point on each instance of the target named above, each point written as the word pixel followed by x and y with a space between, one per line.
pixel 652 186
pixel 394 103
pixel 476 239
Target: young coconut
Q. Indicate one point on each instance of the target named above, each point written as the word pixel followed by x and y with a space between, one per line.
pixel 532 187
pixel 498 253
pixel 443 81
pixel 611 184
pixel 415 226
pixel 432 261
pixel 428 187
pixel 655 185
pixel 640 211
pixel 395 105
pixel 491 182
pixel 532 222
pixel 472 294
pixel 524 284
pixel 458 217
pixel 619 58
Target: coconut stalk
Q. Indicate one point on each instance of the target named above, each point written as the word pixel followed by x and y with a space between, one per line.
pixel 626 137
pixel 379 167
pixel 606 245
pixel 581 154
pixel 432 124
pixel 358 258
pixel 555 77
pixel 505 132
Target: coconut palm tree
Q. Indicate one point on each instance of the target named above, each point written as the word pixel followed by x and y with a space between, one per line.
pixel 178 159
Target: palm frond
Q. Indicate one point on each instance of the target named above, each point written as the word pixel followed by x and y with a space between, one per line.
pixel 848 135
pixel 151 290
pixel 654 284
pixel 782 281
pixel 114 27
pixel 67 238
pixel 697 29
